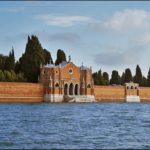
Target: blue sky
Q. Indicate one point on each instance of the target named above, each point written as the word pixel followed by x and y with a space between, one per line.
pixel 105 35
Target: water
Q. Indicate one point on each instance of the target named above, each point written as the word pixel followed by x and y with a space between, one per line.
pixel 75 125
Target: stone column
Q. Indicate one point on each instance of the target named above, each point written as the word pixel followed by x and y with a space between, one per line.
pixel 67 89
pixel 73 88
pixel 78 90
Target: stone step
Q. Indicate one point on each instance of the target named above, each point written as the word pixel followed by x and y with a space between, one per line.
pixel 132 98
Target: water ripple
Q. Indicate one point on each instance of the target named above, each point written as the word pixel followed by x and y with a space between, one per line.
pixel 69 125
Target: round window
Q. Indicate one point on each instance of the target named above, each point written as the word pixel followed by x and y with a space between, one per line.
pixel 70 70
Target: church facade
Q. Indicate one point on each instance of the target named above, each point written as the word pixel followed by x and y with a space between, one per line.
pixel 67 82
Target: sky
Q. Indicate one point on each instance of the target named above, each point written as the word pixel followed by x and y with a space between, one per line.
pixel 111 35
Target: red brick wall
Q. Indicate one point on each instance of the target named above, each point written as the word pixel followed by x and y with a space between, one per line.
pixel 109 93
pixel 21 92
pixel 144 93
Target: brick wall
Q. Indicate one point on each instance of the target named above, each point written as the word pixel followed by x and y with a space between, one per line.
pixel 109 93
pixel 33 92
pixel 144 94
pixel 21 92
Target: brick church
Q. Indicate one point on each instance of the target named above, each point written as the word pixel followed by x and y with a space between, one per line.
pixel 67 82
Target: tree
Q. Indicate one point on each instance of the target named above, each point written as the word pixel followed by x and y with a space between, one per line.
pixel 47 57
pixel 100 78
pixel 31 59
pixel 13 76
pixel 21 78
pixel 106 78
pixel 128 75
pixel 95 78
pixel 10 61
pixel 2 61
pixel 115 78
pixel 7 75
pixel 61 56
pixel 2 76
pixel 123 78
pixel 148 78
pixel 138 75
pixel 17 67
pixel 144 81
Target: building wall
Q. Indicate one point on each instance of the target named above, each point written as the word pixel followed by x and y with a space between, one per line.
pixel 144 93
pixel 75 76
pixel 109 93
pixel 21 92
pixel 32 92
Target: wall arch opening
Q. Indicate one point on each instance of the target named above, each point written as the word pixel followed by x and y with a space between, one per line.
pixel 76 89
pixel 71 89
pixel 66 89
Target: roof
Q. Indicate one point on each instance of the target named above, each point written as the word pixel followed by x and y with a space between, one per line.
pixel 63 64
pixel 49 66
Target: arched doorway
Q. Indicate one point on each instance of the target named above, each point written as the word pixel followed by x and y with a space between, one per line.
pixel 71 89
pixel 76 89
pixel 66 89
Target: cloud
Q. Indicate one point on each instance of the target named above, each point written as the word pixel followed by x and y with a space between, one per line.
pixel 119 57
pixel 142 39
pixel 62 20
pixel 126 20
pixel 66 37
pixel 12 10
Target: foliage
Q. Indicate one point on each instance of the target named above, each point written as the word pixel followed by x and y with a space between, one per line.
pixel 2 76
pixel 138 76
pixel 148 78
pixel 115 78
pixel 128 75
pixel 144 81
pixel 31 59
pixel 11 76
pixel 47 57
pixel 2 61
pixel 61 56
pixel 10 61
pixel 123 78
pixel 106 78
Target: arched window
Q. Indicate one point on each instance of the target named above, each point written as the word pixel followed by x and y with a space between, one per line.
pixel 57 84
pixel 88 86
pixel 66 89
pixel 128 87
pixel 132 87
pixel 71 89
pixel 76 89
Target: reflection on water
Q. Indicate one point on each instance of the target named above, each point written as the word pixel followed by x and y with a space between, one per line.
pixel 75 125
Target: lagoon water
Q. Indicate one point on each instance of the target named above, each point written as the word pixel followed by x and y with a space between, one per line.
pixel 75 125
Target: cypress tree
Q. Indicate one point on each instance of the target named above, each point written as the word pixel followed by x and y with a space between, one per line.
pixel 61 56
pixel 144 81
pixel 31 59
pixel 138 76
pixel 148 78
pixel 2 76
pixel 95 78
pixel 2 61
pixel 115 78
pixel 106 78
pixel 123 78
pixel 17 67
pixel 10 61
pixel 47 57
pixel 128 75
pixel 100 78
